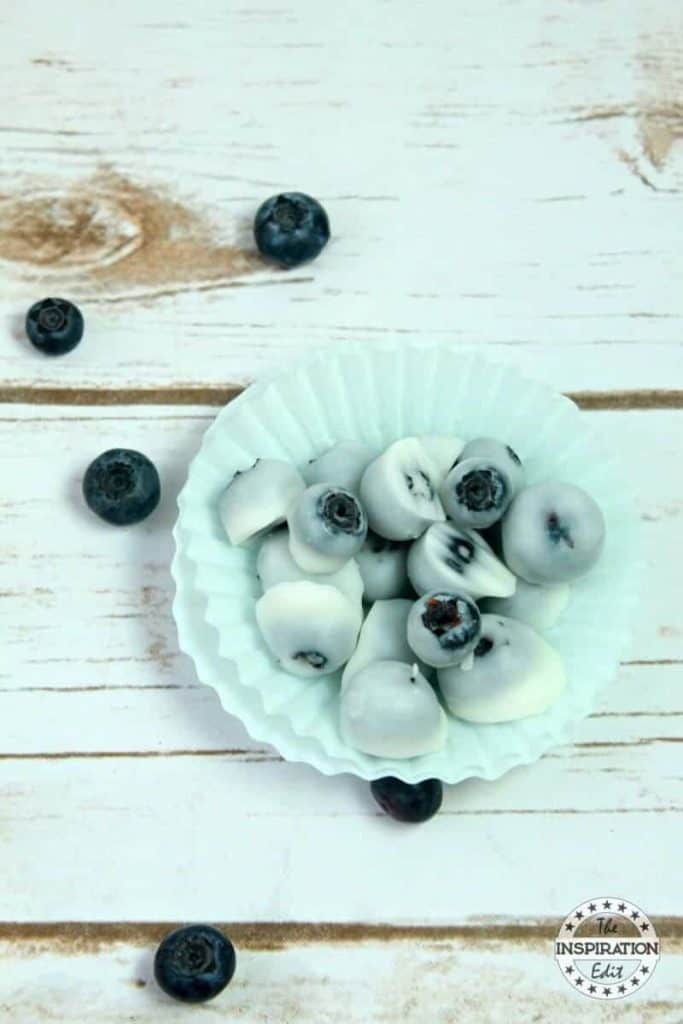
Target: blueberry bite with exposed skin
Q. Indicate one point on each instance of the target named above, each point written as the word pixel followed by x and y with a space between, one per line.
pixel 476 493
pixel 291 228
pixel 327 527
pixel 446 557
pixel 398 490
pixel 553 533
pixel 122 486
pixel 443 628
pixel 194 964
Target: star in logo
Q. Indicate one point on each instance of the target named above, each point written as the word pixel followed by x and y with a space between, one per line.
pixel 622 988
pixel 644 927
pixel 634 981
pixel 578 981
pixel 569 927
pixel 607 991
pixel 607 904
pixel 635 915
pixel 578 915
pixel 569 970
pixel 591 988
pixel 644 970
pixel 592 907
pixel 622 907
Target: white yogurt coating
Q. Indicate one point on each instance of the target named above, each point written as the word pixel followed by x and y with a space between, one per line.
pixel 536 606
pixel 444 451
pixel 310 628
pixel 553 532
pixel 342 465
pixel 327 527
pixel 382 565
pixel 383 637
pixel 399 491
pixel 447 557
pixel 258 498
pixel 516 674
pixel 388 709
pixel 274 564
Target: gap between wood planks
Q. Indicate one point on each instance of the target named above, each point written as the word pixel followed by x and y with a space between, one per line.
pixel 216 395
pixel 262 754
pixel 75 937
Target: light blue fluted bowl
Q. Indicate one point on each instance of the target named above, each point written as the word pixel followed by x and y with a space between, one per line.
pixel 378 395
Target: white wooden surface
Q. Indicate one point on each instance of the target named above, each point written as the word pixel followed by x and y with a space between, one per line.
pixel 505 175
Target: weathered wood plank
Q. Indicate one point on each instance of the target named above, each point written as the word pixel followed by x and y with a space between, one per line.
pixel 205 837
pixel 299 974
pixel 520 198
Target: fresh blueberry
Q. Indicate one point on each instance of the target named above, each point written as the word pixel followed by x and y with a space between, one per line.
pixel 121 486
pixel 194 964
pixel 291 228
pixel 406 802
pixel 55 326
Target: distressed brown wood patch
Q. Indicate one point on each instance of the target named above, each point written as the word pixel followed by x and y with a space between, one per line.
pixel 114 235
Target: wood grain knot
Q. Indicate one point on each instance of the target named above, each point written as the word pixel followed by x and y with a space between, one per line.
pixel 62 232
pixel 119 237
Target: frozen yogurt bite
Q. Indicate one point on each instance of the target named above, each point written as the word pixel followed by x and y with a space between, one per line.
pixel 375 572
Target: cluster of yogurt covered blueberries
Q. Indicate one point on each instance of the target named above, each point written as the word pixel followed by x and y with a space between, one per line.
pixel 403 535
